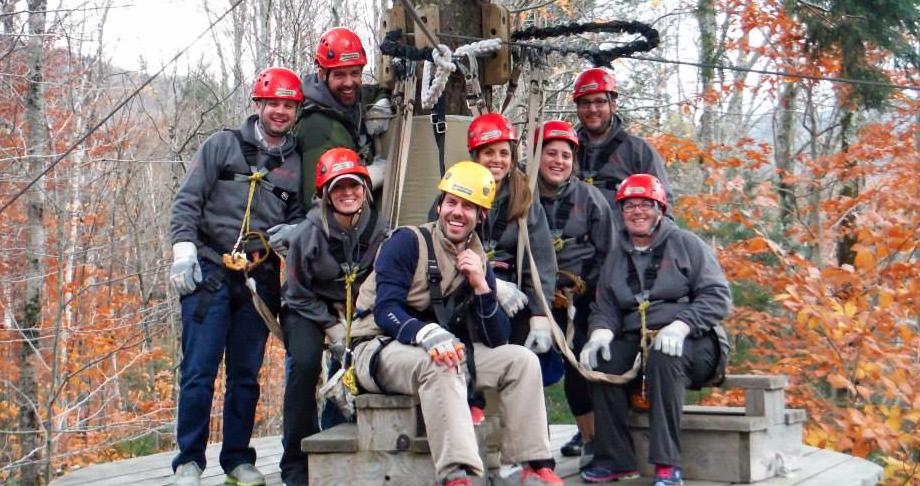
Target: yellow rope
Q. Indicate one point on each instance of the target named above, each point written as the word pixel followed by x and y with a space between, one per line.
pixel 349 380
pixel 253 182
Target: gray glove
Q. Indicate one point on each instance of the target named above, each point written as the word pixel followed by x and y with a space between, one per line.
pixel 185 272
pixel 509 297
pixel 539 339
pixel 280 236
pixel 670 339
pixel 377 171
pixel 336 336
pixel 434 337
pixel 599 342
pixel 378 117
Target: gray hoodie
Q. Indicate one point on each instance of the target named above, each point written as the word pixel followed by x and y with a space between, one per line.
pixel 579 215
pixel 209 206
pixel 314 282
pixel 633 156
pixel 690 285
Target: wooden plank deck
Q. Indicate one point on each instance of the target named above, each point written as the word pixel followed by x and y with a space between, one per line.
pixel 816 467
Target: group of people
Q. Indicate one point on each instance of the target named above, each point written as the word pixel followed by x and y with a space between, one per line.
pixel 448 308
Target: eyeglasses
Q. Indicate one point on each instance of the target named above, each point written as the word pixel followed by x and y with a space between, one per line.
pixel 631 206
pixel 597 104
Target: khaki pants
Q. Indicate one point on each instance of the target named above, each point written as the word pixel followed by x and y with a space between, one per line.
pixel 513 370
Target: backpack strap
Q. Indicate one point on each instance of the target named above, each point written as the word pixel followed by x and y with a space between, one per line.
pixel 640 291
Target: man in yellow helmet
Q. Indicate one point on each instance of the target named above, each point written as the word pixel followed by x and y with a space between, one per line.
pixel 429 325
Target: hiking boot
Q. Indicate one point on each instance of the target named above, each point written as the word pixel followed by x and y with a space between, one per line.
pixel 587 455
pixel 572 448
pixel 245 475
pixel 668 475
pixel 188 474
pixel 598 474
pixel 539 477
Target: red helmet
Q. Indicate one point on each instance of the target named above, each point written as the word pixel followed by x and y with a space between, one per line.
pixel 277 83
pixel 488 128
pixel 594 80
pixel 337 162
pixel 340 47
pixel 645 186
pixel 557 129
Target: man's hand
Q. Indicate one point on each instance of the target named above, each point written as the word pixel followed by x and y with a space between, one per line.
pixel 185 272
pixel 378 117
pixel 539 339
pixel 670 339
pixel 443 347
pixel 280 237
pixel 470 265
pixel 598 343
pixel 509 297
pixel 336 336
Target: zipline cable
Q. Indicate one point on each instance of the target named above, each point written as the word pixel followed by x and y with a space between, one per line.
pixel 118 107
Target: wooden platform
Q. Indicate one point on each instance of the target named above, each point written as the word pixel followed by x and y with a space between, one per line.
pixel 817 467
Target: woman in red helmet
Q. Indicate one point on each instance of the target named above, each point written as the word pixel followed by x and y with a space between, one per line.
pixel 492 143
pixel 668 280
pixel 334 247
pixel 581 224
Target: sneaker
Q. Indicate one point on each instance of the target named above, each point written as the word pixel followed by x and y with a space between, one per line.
pixel 539 477
pixel 245 475
pixel 598 474
pixel 572 448
pixel 188 474
pixel 668 475
pixel 477 414
pixel 587 455
pixel 458 478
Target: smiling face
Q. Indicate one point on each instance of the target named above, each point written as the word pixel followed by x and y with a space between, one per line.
pixel 347 195
pixel 640 216
pixel 595 111
pixel 276 116
pixel 556 162
pixel 457 217
pixel 496 157
pixel 344 83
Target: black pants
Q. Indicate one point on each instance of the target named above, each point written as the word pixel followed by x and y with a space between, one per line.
pixel 577 389
pixel 303 340
pixel 667 381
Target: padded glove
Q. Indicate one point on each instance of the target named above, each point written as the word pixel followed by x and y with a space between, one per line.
pixel 670 339
pixel 185 272
pixel 336 336
pixel 440 344
pixel 599 342
pixel 539 339
pixel 280 236
pixel 377 171
pixel 378 117
pixel 509 297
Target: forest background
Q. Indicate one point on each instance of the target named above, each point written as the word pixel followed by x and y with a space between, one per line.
pixel 807 189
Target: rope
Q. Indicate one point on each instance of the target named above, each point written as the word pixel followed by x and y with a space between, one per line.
pixel 432 90
pixel 349 380
pixel 641 402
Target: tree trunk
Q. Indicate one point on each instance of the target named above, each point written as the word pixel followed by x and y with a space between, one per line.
pixel 846 240
pixel 30 314
pixel 785 140
pixel 706 18
pixel 456 17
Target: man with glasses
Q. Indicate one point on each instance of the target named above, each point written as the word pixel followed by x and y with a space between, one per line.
pixel 607 154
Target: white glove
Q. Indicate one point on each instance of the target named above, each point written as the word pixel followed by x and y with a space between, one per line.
pixel 509 297
pixel 670 339
pixel 280 237
pixel 335 390
pixel 539 339
pixel 377 171
pixel 434 337
pixel 378 117
pixel 185 272
pixel 599 341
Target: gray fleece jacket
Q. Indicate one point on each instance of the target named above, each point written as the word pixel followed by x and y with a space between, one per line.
pixel 315 282
pixel 633 155
pixel 578 215
pixel 208 209
pixel 690 285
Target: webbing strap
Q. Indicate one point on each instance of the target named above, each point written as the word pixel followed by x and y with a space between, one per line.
pixel 439 126
pixel 337 248
pixel 639 288
pixel 589 172
pixel 207 289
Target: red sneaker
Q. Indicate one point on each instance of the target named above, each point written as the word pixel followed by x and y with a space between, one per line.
pixel 477 414
pixel 540 477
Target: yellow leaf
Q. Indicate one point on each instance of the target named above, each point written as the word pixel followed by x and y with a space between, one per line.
pixel 864 259
pixel 885 299
pixel 838 381
pixel 849 309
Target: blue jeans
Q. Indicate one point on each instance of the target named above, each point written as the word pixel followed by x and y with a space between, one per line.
pixel 232 328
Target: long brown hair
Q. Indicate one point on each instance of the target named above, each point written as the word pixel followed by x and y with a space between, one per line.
pixel 519 193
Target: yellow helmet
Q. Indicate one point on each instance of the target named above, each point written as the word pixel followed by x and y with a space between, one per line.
pixel 471 181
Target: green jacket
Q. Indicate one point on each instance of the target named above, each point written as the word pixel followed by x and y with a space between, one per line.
pixel 324 123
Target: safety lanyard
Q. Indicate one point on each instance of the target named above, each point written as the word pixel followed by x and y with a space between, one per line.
pixel 640 292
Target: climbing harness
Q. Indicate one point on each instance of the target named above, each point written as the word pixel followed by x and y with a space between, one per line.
pixel 640 290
